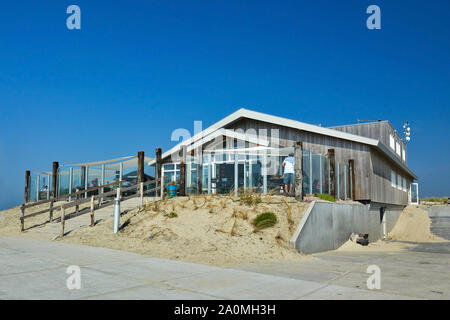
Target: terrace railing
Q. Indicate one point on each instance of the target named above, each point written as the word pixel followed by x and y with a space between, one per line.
pixel 74 200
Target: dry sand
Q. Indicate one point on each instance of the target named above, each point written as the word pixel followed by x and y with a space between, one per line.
pixel 414 225
pixel 377 246
pixel 10 223
pixel 214 230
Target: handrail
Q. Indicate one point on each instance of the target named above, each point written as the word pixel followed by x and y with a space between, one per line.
pixel 77 202
pixel 33 204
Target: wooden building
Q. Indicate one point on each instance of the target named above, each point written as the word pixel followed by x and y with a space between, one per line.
pixel 374 151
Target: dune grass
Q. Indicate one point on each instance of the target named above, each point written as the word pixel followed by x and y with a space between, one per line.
pixel 264 220
pixel 325 196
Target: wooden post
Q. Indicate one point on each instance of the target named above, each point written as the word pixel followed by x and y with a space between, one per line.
pixel 54 188
pixel 27 187
pixel 50 218
pixel 54 178
pixel 140 167
pixel 92 211
pixel 183 172
pixel 63 220
pixel 351 167
pixel 298 169
pixel 332 186
pixel 158 170
pixel 76 199
pixel 182 179
pixel 22 214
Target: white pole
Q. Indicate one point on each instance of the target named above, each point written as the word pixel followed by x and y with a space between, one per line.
pixel 103 181
pixel 116 214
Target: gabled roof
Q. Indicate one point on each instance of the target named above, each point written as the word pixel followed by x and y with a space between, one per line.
pixel 263 117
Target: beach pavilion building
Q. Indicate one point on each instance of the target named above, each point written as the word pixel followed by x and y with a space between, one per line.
pixel 365 162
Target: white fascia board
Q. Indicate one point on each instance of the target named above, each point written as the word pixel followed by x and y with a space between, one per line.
pixel 308 127
pixel 228 119
pixel 228 133
pixel 213 132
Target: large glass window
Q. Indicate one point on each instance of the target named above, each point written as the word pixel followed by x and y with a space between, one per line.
pixel 172 172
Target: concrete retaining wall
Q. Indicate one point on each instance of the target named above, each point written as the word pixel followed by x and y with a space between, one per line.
pixel 327 225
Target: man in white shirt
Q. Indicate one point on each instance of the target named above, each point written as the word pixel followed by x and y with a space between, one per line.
pixel 288 165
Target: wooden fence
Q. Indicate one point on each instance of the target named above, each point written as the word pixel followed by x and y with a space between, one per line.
pixel 100 196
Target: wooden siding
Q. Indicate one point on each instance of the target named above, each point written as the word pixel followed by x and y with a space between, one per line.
pixel 372 169
pixel 379 130
pixel 344 150
pixel 382 190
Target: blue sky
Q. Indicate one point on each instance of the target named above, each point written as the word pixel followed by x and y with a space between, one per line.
pixel 137 70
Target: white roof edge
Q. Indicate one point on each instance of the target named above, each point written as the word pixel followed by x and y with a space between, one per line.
pixel 309 127
pixel 245 113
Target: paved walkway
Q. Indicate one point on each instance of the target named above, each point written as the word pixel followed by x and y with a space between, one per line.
pixel 32 269
pixel 36 269
pixel 421 272
pixel 53 229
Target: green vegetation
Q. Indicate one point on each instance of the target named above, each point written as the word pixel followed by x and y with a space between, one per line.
pixel 173 214
pixel 325 196
pixel 264 220
pixel 250 199
pixel 434 199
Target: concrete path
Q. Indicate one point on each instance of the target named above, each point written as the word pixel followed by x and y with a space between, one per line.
pixel 53 229
pixel 421 272
pixel 32 269
pixel 440 220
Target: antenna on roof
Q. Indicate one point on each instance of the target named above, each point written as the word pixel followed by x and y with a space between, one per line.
pixel 359 121
pixel 407 131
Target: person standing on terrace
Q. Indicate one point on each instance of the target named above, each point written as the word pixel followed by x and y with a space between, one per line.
pixel 288 165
